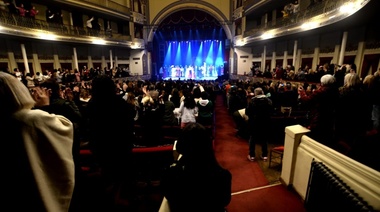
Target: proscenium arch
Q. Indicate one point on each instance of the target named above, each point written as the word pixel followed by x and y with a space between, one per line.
pixel 200 5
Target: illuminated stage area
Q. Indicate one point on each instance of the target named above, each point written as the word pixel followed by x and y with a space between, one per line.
pixel 193 59
pixel 196 79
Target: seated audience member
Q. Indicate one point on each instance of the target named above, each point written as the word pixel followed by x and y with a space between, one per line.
pixel 111 137
pixel 39 173
pixel 196 181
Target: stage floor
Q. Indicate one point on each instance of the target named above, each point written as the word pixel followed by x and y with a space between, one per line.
pixel 196 79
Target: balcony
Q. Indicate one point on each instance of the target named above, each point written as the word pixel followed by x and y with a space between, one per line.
pixel 325 13
pixel 39 29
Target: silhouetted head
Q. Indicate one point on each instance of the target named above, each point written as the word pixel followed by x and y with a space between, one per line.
pixel 195 142
pixel 103 87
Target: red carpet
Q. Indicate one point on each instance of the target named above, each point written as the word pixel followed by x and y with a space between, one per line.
pixel 232 152
pixel 254 192
pixel 272 199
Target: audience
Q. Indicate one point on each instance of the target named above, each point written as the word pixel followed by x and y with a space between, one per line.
pixel 40 169
pixel 324 108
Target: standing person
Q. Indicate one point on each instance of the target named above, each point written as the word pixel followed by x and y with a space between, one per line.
pixel 259 111
pixel 322 105
pixel 196 181
pixel 111 137
pixel 38 78
pixel 188 110
pixel 205 110
pixel 353 113
pixel 89 25
pixel 33 12
pixel 21 10
pixel 376 101
pixel 68 109
pixel 29 80
pixel 169 117
pixel 49 15
pixel 17 73
pixel 40 170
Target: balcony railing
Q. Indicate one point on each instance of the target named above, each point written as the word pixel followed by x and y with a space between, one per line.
pixel 109 4
pixel 296 18
pixel 24 23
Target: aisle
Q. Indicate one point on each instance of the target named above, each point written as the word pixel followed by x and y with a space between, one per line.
pixel 251 190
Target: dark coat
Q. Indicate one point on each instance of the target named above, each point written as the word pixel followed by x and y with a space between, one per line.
pixel 259 112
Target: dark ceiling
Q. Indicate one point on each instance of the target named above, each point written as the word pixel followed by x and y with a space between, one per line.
pixel 188 25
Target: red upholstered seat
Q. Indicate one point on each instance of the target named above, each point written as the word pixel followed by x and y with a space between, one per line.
pixel 153 149
pixel 276 154
pixel 85 152
pixel 278 148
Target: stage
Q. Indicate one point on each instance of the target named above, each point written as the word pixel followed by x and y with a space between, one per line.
pixel 185 79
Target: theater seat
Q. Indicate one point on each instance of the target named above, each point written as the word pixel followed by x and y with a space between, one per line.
pixel 275 155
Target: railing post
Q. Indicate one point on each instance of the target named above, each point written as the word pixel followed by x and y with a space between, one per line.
pixel 293 136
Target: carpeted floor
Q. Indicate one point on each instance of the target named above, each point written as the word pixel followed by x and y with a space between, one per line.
pixel 255 185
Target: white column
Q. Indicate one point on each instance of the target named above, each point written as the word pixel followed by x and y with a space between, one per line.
pixel 104 63
pixel 343 48
pixel 90 64
pixel 274 17
pixel 116 62
pixel 359 57
pixel 273 62
pixel 71 19
pixel 285 61
pixel 111 62
pixel 76 66
pixel 297 64
pixel 315 62
pixel 263 58
pixel 12 61
pixel 57 64
pixel 336 55
pixel 36 64
pixel 295 53
pixel 25 57
pixel 266 20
